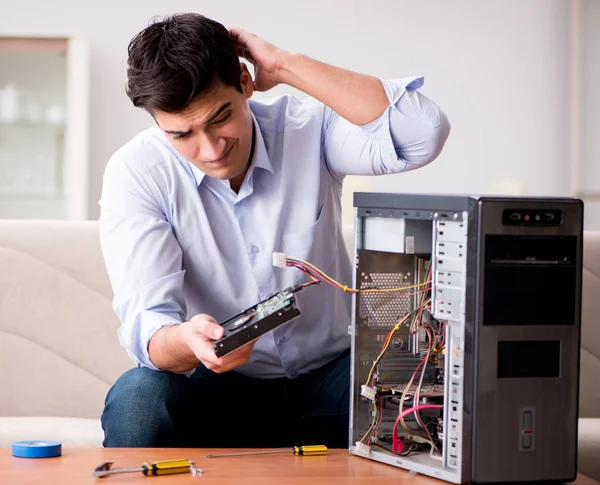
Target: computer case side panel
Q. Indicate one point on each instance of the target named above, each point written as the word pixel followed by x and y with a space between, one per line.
pixel 469 341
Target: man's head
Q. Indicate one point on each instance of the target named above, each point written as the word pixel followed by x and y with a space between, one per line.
pixel 185 72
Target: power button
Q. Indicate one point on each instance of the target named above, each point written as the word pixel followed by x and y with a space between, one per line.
pixel 527 429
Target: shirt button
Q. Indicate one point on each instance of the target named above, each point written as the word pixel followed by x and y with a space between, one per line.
pixel 282 339
pixel 254 249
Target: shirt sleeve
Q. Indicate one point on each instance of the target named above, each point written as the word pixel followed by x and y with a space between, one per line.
pixel 143 259
pixel 409 134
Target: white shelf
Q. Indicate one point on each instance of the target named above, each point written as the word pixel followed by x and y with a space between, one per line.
pixel 44 127
pixel 31 124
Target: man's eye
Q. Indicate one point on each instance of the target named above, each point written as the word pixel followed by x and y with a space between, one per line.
pixel 183 136
pixel 223 118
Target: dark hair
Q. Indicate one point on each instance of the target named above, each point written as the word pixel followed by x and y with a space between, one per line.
pixel 174 60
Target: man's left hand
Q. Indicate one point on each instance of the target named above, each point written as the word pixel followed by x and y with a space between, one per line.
pixel 264 56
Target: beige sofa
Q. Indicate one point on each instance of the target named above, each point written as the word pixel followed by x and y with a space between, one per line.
pixel 59 352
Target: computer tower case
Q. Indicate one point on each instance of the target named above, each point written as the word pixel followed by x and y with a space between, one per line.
pixel 466 335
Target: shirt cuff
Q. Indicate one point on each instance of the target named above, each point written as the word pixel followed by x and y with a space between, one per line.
pixel 136 343
pixel 394 90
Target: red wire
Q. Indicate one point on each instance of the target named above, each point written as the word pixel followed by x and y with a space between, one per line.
pixel 312 272
pixel 409 385
pixel 417 394
pixel 406 412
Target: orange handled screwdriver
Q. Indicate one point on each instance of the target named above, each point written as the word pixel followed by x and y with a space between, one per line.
pixel 311 450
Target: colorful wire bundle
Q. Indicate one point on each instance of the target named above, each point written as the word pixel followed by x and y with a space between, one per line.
pixel 316 275
pixel 436 344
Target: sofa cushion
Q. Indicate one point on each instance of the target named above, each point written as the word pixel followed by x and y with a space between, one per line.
pixel 589 399
pixel 58 332
pixel 589 447
pixel 71 432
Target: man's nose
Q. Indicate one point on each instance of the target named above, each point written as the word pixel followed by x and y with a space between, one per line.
pixel 212 148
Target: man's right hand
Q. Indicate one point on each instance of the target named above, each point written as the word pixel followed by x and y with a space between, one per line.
pixel 200 332
pixel 181 347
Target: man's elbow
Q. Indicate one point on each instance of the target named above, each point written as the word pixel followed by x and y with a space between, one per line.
pixel 429 146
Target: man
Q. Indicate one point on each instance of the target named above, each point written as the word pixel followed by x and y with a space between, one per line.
pixel 193 208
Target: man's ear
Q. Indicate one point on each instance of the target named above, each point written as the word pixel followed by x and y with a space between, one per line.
pixel 246 81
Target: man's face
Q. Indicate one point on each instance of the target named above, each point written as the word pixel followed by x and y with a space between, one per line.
pixel 215 131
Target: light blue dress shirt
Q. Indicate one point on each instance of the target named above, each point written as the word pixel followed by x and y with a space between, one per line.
pixel 177 242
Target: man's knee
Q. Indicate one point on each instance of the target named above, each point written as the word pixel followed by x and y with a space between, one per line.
pixel 135 412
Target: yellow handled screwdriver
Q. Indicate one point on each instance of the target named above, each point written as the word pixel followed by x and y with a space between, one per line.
pixel 311 450
pixel 166 467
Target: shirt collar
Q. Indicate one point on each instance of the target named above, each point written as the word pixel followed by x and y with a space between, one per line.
pixel 260 157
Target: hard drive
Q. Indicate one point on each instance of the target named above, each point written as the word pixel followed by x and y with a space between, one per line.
pixel 254 322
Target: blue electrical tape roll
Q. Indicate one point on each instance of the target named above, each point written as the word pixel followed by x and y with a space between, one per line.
pixel 36 449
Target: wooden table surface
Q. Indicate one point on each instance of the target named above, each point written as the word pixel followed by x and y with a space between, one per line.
pixel 75 467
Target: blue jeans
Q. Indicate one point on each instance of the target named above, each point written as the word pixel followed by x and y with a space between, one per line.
pixel 147 408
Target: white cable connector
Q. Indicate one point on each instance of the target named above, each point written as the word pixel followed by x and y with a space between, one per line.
pixel 362 449
pixel 279 260
pixel 368 392
pixel 417 439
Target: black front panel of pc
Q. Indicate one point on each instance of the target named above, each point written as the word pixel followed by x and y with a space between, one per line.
pixel 527 337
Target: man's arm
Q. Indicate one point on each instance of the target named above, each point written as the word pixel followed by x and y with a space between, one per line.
pixel 358 98
pixel 144 264
pixel 168 351
pixel 180 348
pixel 371 126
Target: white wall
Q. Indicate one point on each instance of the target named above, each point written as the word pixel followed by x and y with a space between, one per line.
pixel 499 69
